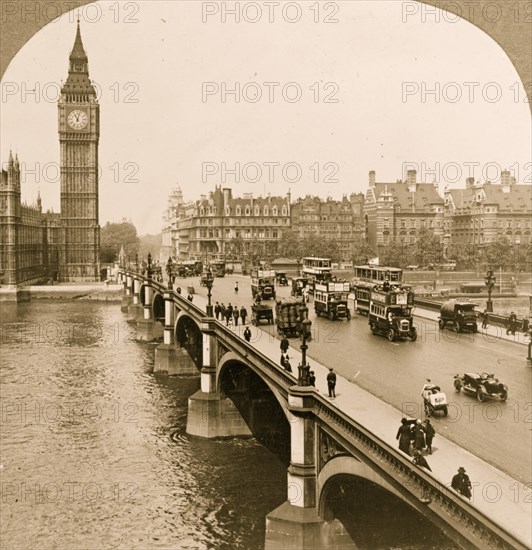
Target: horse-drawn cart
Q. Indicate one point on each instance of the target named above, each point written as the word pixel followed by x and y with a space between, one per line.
pixel 260 312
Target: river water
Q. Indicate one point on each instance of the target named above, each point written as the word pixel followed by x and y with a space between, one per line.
pixel 94 453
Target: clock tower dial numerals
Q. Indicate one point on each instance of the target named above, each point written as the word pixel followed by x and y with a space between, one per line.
pixel 77 119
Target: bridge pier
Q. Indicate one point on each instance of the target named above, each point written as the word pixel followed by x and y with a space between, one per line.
pixel 296 525
pixel 169 359
pixel 212 415
pixel 127 298
pixel 134 311
pixel 147 328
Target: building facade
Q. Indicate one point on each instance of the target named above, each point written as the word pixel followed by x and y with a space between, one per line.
pixel 394 212
pixel 484 212
pixel 338 221
pixel 35 246
pixel 220 224
pixel 170 231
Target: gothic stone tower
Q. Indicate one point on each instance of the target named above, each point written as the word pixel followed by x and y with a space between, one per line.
pixel 79 131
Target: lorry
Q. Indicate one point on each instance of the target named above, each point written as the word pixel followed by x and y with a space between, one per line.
pixel 459 315
pixel 330 300
pixel 390 312
pixel 263 282
pixel 288 316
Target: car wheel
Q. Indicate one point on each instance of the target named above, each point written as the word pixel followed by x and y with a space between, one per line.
pixel 481 394
pixel 504 396
pixel 349 316
pixel 457 385
pixel 331 316
pixel 413 335
pixel 441 324
pixel 373 329
pixel 445 411
pixel 391 335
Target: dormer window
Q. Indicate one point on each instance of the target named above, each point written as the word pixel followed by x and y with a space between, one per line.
pixel 257 211
pixel 202 211
pixel 247 211
pixel 274 211
pixel 283 211
pixel 227 211
pixel 265 210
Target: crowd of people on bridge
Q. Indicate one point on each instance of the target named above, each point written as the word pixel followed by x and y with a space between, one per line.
pixel 231 314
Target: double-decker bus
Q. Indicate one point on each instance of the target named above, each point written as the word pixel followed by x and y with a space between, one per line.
pixel 218 268
pixel 316 270
pixel 367 277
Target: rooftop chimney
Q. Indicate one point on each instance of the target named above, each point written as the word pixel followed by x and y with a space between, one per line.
pixel 411 178
pixel 470 182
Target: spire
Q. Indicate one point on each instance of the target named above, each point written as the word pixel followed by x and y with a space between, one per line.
pixel 17 165
pixel 78 86
pixel 10 161
pixel 78 51
pixel 39 203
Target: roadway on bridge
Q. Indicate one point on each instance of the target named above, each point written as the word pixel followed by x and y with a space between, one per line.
pixel 499 433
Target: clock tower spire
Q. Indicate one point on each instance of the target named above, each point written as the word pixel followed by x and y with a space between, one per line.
pixel 79 133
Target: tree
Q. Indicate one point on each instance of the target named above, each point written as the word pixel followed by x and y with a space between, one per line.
pixel 394 255
pixel 150 244
pixel 428 248
pixel 362 253
pixel 499 253
pixel 115 235
pixel 291 246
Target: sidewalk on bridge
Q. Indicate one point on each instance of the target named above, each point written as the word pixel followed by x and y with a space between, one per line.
pixel 491 333
pixel 496 494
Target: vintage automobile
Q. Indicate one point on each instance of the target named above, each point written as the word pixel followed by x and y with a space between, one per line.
pixel 298 285
pixel 461 316
pixel 482 385
pixel 434 400
pixel 280 278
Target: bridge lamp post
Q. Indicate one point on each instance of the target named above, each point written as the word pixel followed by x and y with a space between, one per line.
pixel 304 368
pixel 209 281
pixel 149 266
pixel 490 283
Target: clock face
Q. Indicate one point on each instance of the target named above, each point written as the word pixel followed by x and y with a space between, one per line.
pixel 77 119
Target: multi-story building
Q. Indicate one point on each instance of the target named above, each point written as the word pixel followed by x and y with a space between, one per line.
pixel 222 224
pixel 66 246
pixel 483 212
pixel 338 221
pixel 394 212
pixel 170 232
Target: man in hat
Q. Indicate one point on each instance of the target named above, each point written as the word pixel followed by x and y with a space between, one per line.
pixel 461 483
pixel 331 382
pixel 312 378
pixel 247 334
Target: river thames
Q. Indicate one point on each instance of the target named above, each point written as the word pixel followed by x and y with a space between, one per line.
pixel 95 455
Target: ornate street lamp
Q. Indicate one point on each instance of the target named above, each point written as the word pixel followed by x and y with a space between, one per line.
pixel 149 265
pixel 490 283
pixel 209 281
pixel 304 368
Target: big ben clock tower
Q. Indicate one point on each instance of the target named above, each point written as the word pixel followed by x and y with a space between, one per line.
pixel 79 132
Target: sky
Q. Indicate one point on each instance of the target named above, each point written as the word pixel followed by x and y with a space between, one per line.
pixel 326 92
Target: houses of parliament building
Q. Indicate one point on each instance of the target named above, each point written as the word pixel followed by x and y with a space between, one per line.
pixel 37 246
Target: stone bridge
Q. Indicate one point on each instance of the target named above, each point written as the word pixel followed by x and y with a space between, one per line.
pixel 243 390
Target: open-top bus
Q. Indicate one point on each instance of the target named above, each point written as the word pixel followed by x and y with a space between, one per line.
pixel 367 277
pixel 218 268
pixel 316 270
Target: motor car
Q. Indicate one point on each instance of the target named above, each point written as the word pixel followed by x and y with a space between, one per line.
pixel 434 400
pixel 483 385
pixel 412 267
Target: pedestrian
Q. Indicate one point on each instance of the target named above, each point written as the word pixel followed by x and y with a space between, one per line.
pixel 512 321
pixel 525 325
pixel 189 297
pixel 419 460
pixel 419 436
pixel 285 362
pixel 243 314
pixel 331 382
pixel 461 483
pixel 247 334
pixel 403 435
pixel 312 379
pixel 222 312
pixel 236 315
pixel 228 314
pixel 485 319
pixel 236 287
pixel 178 290
pixel 217 310
pixel 284 344
pixel 429 434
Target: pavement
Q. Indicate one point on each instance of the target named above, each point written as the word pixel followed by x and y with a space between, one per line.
pixel 499 496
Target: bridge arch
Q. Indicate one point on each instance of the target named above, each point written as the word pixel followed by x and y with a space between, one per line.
pixel 158 308
pixel 188 335
pixel 260 405
pixel 345 466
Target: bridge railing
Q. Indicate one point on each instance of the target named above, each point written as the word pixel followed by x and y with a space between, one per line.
pixel 400 471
